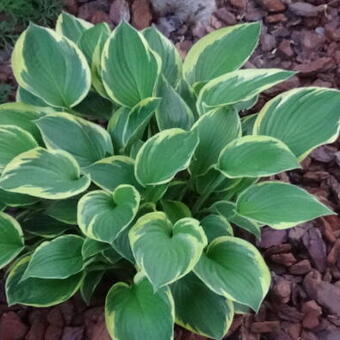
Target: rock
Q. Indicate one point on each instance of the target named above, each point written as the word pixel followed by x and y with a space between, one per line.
pixel 285 48
pixel 334 254
pixel 289 313
pixel 100 331
pixel 300 268
pixel 183 47
pixel 304 9
pixel 333 334
pixel 293 329
pixel 67 312
pixel 271 237
pixel 100 16
pixel 226 16
pixel 73 333
pixel 141 14
pixel 316 248
pixel 38 326
pixel 311 40
pixel 265 327
pixel 273 5
pixel 282 290
pixel 284 259
pixel 268 42
pixel 328 296
pixel 71 6
pixel 119 10
pixel 53 333
pixel 241 4
pixel 312 312
pixel 55 318
pixel 315 66
pixel 276 18
pixel 324 154
pixel 11 327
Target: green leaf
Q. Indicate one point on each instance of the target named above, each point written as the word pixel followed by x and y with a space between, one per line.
pixel 62 80
pixel 247 104
pixel 235 269
pixel 208 58
pixel 64 210
pixel 228 210
pixel 43 225
pixel 14 141
pixel 92 248
pixel 166 251
pixel 256 156
pixel 175 210
pixel 92 141
pixel 44 173
pixel 127 126
pixel 159 150
pixel 71 27
pixel 91 43
pixel 173 112
pixel 89 285
pixel 137 312
pixel 171 60
pixel 238 86
pixel 129 68
pixel 279 205
pixel 22 116
pixel 12 199
pixel 302 118
pixel 60 258
pixel 200 310
pixel 122 245
pixel 38 292
pixel 102 215
pixel 215 226
pixel 11 239
pixel 248 123
pixel 226 125
pixel 204 183
pixel 25 97
pixel 109 173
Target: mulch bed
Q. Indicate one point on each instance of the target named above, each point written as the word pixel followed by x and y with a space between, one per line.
pixel 304 302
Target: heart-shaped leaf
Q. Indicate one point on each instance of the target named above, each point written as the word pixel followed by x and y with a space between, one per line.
pixel 38 292
pixel 199 309
pixel 279 205
pixel 103 216
pixel 234 268
pixel 11 239
pixel 56 259
pixel 256 156
pixel 61 81
pixel 166 251
pixel 137 312
pixel 163 155
pixel 44 173
pixel 93 142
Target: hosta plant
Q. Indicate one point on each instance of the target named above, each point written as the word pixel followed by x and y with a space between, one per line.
pixel 122 163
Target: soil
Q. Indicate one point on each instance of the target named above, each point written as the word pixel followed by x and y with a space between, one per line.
pixel 304 301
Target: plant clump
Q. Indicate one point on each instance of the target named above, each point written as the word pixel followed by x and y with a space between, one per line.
pixel 125 163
